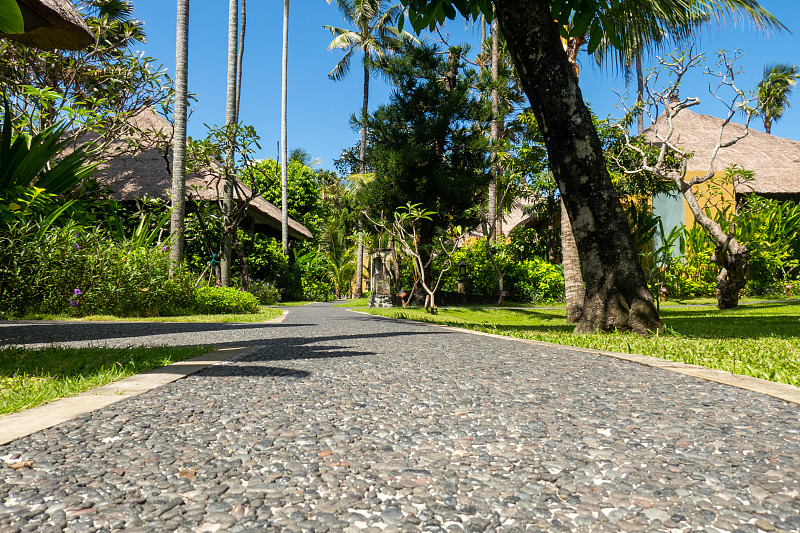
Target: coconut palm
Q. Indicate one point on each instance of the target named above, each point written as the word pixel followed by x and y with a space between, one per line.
pixel 375 38
pixel 230 125
pixel 774 90
pixel 284 134
pixel 179 141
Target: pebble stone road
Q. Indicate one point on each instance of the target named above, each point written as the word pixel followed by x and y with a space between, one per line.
pixel 338 421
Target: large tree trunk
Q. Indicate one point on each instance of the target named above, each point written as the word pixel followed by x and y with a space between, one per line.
pixel 734 260
pixel 573 279
pixel 178 215
pixel 616 290
pixel 230 123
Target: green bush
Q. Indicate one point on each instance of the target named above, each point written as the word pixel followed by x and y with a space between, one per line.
pixel 536 281
pixel 264 291
pixel 317 289
pixel 530 280
pixel 81 271
pixel 224 300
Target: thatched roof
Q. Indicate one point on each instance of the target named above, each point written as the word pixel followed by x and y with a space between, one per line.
pixel 52 24
pixel 774 160
pixel 146 173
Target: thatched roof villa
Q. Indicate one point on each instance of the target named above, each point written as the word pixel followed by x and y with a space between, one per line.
pixel 775 161
pixel 147 173
pixel 52 24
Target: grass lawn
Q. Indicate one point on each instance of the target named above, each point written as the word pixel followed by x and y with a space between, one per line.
pixel 32 377
pixel 264 313
pixel 760 340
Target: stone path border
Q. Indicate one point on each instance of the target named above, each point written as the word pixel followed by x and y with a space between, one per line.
pixel 782 391
pixel 23 423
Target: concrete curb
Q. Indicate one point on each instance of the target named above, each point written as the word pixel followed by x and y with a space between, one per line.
pixel 23 423
pixel 782 391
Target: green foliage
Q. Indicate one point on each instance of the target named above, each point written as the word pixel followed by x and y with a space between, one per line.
pixel 29 160
pixel 304 193
pixel 315 279
pixel 774 90
pixel 437 157
pixel 11 20
pixel 265 258
pixel 80 271
pixel 769 229
pixel 265 292
pixel 224 300
pixel 92 90
pixel 530 279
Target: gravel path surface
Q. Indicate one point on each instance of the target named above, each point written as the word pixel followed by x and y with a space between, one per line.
pixel 345 422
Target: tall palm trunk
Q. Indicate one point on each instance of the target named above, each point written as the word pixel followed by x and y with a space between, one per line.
pixel 230 124
pixel 573 281
pixel 240 56
pixel 639 91
pixel 178 215
pixel 284 148
pixel 574 292
pixel 363 170
pixel 494 136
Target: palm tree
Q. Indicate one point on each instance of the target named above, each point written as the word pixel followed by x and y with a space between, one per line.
pixel 230 125
pixel 284 134
pixel 375 38
pixel 179 142
pixel 774 90
pixel 637 26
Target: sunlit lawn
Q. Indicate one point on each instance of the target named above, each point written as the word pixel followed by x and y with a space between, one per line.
pixel 760 340
pixel 264 313
pixel 32 377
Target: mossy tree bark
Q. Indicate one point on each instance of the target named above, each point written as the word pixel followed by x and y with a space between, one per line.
pixel 616 291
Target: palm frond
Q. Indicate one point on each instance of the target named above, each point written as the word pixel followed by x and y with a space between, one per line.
pixel 342 67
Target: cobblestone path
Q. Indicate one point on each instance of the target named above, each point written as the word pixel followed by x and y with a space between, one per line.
pixel 343 422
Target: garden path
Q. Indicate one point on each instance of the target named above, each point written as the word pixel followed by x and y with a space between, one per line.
pixel 342 421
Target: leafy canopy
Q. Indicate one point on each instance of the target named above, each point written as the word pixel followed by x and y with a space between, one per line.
pixel 599 18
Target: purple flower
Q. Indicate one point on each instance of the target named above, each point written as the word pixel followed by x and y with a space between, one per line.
pixel 73 303
pixel 164 248
pixel 78 292
pixel 77 246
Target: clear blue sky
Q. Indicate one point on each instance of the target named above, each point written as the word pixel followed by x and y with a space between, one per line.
pixel 320 109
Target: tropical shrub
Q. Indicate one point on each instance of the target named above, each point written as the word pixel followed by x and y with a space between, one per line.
pixel 265 292
pixel 80 271
pixel 529 280
pixel 315 278
pixel 537 281
pixel 222 300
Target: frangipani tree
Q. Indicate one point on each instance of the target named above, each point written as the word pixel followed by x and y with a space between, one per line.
pixel 662 106
pixel 404 228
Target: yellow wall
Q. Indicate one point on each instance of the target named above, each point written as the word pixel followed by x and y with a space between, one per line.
pixel 723 196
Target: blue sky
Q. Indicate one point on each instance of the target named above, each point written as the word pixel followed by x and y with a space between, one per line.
pixel 320 109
